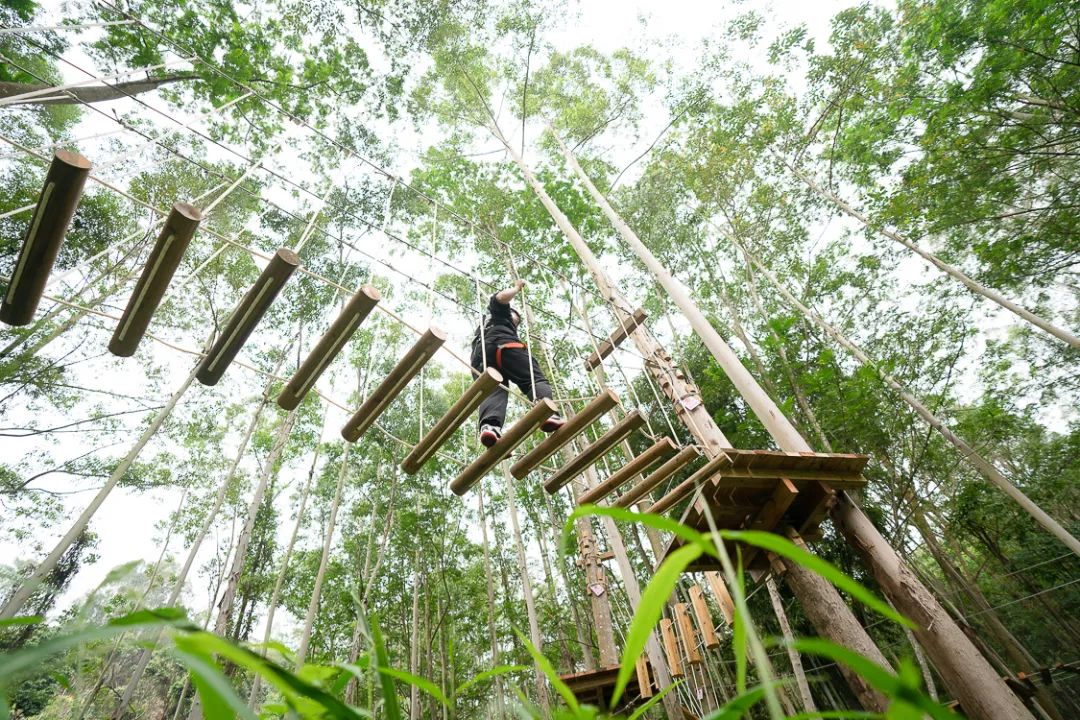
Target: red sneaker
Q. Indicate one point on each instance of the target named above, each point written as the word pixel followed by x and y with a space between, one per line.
pixel 490 434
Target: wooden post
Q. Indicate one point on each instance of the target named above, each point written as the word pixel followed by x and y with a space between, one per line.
pixel 671 649
pixel 595 451
pixel 606 347
pixel 172 243
pixel 247 315
pixel 513 437
pixel 687 633
pixel 685 456
pixel 406 369
pixel 969 676
pixel 557 440
pixel 723 597
pixel 56 206
pixel 643 681
pixel 330 344
pixel 441 431
pixel 704 618
pixel 654 454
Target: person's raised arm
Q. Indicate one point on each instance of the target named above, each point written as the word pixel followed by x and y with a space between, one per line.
pixel 505 296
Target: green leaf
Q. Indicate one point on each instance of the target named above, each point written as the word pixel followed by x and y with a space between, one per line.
pixel 654 700
pixel 488 674
pixel 788 549
pixel 386 683
pixel 738 706
pixel 616 513
pixel 426 685
pixel 24 620
pixel 549 671
pixel 649 610
pixel 216 695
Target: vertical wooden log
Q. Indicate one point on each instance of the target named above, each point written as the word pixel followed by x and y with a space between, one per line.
pixel 704 618
pixel 671 649
pixel 172 243
pixel 687 634
pixel 56 206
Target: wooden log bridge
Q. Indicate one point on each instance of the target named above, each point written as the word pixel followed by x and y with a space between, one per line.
pixel 441 431
pixel 616 338
pixel 169 249
pixel 330 344
pixel 765 490
pixel 557 440
pixel 683 458
pixel 654 454
pixel 247 315
pixel 591 454
pixel 406 369
pixel 56 206
pixel 529 423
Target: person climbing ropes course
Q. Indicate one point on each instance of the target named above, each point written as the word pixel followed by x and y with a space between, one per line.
pixel 496 344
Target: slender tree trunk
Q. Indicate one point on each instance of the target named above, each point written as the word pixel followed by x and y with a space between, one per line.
pixel 26 589
pixel 491 601
pixel 987 469
pixel 414 642
pixel 808 705
pixel 953 272
pixel 526 587
pixel 90 93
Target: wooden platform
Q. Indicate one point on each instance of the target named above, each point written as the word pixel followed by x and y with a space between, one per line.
pixel 596 686
pixel 769 490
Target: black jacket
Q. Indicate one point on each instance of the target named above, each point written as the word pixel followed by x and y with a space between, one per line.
pixel 498 325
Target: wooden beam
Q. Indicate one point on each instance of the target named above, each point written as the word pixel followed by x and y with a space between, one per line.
pixel 770 514
pixel 608 346
pixel 687 634
pixel 247 315
pixel 529 423
pixel 703 617
pixel 330 344
pixel 654 454
pixel 671 649
pixel 406 369
pixel 557 440
pixel 437 436
pixel 682 458
pixel 55 207
pixel 643 680
pixel 743 477
pixel 172 242
pixel 595 451
pixel 700 476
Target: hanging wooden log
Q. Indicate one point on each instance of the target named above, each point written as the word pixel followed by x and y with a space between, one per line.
pixel 671 649
pixel 657 452
pixel 406 369
pixel 608 346
pixel 595 451
pixel 554 442
pixel 330 344
pixel 247 315
pixel 703 617
pixel 685 456
pixel 55 207
pixel 690 484
pixel 529 423
pixel 172 243
pixel 723 597
pixel 643 680
pixel 437 436
pixel 687 634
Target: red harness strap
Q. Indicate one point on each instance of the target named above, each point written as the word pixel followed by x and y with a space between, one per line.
pixel 498 352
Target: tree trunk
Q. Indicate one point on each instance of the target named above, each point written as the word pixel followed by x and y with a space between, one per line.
pixel 808 705
pixel 526 588
pixel 981 464
pixel 88 93
pixel 953 272
pixel 414 639
pixel 491 601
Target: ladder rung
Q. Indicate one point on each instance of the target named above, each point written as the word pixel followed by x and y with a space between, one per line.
pixel 406 369
pixel 55 207
pixel 441 431
pixel 527 425
pixel 608 346
pixel 330 344
pixel 557 440
pixel 662 473
pixel 158 272
pixel 247 315
pixel 595 451
pixel 638 465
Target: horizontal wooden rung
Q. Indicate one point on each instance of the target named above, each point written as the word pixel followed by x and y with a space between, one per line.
pixel 590 455
pixel 682 458
pixel 608 346
pixel 529 423
pixel 557 440
pixel 654 454
pixel 437 436
pixel 688 485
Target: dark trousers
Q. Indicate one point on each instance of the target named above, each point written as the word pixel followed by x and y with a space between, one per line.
pixel 514 367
